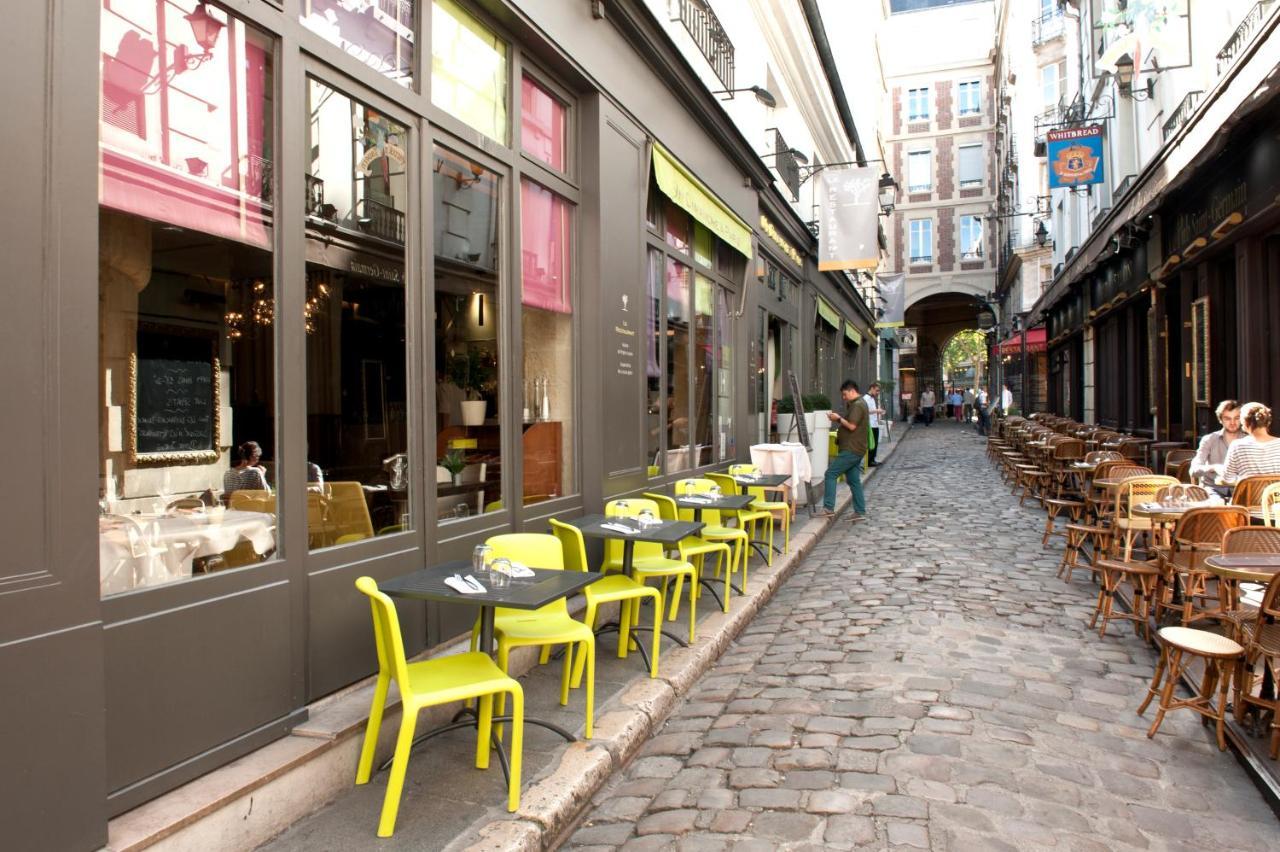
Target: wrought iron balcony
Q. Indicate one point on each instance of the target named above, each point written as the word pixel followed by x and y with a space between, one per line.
pixel 1047 26
pixel 315 197
pixel 258 177
pixel 380 220
pixel 785 162
pixel 1182 114
pixel 1243 36
pixel 710 37
pixel 1125 186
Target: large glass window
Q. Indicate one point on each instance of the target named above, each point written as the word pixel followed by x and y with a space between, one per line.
pixel 546 225
pixel 825 357
pixel 918 104
pixel 468 318
pixel 468 69
pixel 357 403
pixel 921 235
pixel 677 389
pixel 725 365
pixel 970 97
pixel 919 171
pixel 704 367
pixel 378 33
pixel 542 124
pixel 971 237
pixel 971 165
pixel 187 323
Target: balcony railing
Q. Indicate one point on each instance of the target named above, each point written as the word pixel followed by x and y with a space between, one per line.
pixel 315 197
pixel 711 39
pixel 1185 108
pixel 1125 186
pixel 1243 36
pixel 1047 26
pixel 381 220
pixel 258 177
pixel 786 164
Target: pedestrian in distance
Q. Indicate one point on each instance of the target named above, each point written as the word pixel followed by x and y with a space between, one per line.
pixel 927 402
pixel 1006 399
pixel 968 404
pixel 874 413
pixel 851 441
pixel 983 403
pixel 957 405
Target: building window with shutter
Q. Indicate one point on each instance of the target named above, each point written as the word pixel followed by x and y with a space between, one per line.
pixel 971 166
pixel 970 97
pixel 971 237
pixel 922 241
pixel 918 104
pixel 919 172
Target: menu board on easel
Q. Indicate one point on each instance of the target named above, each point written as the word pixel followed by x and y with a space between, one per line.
pixel 801 426
pixel 174 414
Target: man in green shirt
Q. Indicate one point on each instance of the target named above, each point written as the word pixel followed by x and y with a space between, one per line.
pixel 851 441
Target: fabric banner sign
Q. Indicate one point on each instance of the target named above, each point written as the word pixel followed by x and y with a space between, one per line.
pixel 848 236
pixel 680 185
pixel 893 290
pixel 1075 156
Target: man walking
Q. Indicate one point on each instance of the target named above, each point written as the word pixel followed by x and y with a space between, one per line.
pixel 851 441
pixel 1006 399
pixel 983 403
pixel 968 404
pixel 927 401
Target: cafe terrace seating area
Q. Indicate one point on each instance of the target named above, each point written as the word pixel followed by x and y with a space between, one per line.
pixel 646 566
pixel 1192 567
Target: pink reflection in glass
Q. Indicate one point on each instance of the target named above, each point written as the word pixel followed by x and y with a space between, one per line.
pixel 542 120
pixel 544 248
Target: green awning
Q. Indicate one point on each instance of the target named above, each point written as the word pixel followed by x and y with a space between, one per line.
pixel 828 313
pixel 679 184
pixel 853 334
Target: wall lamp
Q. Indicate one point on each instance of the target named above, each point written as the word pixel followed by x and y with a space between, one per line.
pixel 1124 74
pixel 205 29
pixel 763 95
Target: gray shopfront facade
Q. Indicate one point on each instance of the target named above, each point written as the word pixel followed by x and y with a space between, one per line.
pixel 350 247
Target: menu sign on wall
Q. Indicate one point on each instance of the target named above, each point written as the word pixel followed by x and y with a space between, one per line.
pixel 174 409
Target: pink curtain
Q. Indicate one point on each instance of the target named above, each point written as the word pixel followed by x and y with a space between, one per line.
pixel 541 124
pixel 544 247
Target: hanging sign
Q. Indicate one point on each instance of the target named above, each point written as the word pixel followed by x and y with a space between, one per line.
pixel 848 236
pixel 1075 156
pixel 893 290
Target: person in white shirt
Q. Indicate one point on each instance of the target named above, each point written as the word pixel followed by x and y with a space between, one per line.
pixel 927 402
pixel 983 404
pixel 872 398
pixel 1256 455
pixel 1006 400
pixel 1211 455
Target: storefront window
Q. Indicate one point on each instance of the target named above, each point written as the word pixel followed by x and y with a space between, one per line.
pixel 824 357
pixel 653 369
pixel 379 34
pixel 676 223
pixel 542 124
pixel 762 377
pixel 704 245
pixel 677 389
pixel 357 405
pixel 468 440
pixel 726 447
pixel 547 328
pixel 703 370
pixel 468 70
pixel 187 324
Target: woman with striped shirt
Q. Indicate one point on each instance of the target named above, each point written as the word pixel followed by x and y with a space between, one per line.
pixel 1257 454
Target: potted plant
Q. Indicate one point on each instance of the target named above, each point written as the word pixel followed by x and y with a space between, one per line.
pixel 454 462
pixel 816 406
pixel 786 418
pixel 472 371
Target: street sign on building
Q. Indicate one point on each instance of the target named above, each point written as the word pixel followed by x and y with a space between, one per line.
pixel 1075 156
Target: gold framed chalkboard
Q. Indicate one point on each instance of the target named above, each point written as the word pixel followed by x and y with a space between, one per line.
pixel 174 412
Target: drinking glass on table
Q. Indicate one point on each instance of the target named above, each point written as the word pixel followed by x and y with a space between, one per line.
pixel 500 573
pixel 646 518
pixel 480 559
pixel 714 492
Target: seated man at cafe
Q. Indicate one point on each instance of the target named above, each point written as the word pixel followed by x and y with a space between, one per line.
pixel 1259 453
pixel 1211 456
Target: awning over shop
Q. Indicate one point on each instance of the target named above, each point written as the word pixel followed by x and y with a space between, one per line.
pixel 853 334
pixel 1037 341
pixel 828 313
pixel 679 184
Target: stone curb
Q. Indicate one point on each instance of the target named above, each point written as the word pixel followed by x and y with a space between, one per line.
pixel 551 805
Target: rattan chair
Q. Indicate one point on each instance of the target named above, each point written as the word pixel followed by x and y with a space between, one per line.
pixel 1248 491
pixel 1184 584
pixel 1219 656
pixel 1262 647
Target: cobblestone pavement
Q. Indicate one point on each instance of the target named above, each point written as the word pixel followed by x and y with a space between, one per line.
pixel 925 681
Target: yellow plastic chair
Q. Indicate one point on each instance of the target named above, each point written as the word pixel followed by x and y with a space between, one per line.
pixel 650 561
pixel 551 625
pixel 427 683
pixel 747 518
pixel 694 549
pixel 653 471
pixel 616 588
pixel 348 513
pixel 1270 502
pixel 784 490
pixel 780 510
pixel 715 529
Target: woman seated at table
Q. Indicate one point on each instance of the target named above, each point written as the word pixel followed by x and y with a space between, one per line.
pixel 247 474
pixel 1259 453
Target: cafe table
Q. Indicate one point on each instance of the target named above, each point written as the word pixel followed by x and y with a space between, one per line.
pixel 666 533
pixel 526 593
pixel 728 502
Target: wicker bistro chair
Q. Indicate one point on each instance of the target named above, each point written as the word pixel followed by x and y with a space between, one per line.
pixel 1101 503
pixel 1270 502
pixel 1181 471
pixel 1250 539
pixel 1065 453
pixel 1261 642
pixel 1133 492
pixel 1173 458
pixel 1183 586
pixel 1248 491
pixel 1220 655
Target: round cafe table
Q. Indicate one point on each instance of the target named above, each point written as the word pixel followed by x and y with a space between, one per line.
pixel 1244 567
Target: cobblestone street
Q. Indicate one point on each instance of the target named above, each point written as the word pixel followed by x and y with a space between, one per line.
pixel 925 681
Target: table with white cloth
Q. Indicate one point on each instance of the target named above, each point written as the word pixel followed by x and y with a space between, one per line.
pixel 789 458
pixel 148 550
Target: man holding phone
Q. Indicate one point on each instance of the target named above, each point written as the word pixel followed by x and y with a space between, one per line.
pixel 851 441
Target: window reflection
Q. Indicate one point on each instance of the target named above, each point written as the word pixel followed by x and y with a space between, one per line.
pixel 653 368
pixel 677 390
pixel 357 411
pixel 468 440
pixel 468 70
pixel 542 124
pixel 378 33
pixel 726 446
pixel 703 370
pixel 187 327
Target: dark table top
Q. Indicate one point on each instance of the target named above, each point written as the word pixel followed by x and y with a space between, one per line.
pixel 546 585
pixel 764 480
pixel 1244 560
pixel 667 532
pixel 726 501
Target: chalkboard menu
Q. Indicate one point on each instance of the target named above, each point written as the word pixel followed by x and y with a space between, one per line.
pixel 801 426
pixel 174 412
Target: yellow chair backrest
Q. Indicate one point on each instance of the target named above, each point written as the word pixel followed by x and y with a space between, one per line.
pixel 251 500
pixel 710 517
pixel 1270 501
pixel 348 512
pixel 728 485
pixel 643 549
pixel 386 633
pixel 694 486
pixel 1139 489
pixel 738 469
pixel 537 550
pixel 573 547
pixel 667 509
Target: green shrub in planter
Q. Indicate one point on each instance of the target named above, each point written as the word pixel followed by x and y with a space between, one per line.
pixel 786 405
pixel 816 402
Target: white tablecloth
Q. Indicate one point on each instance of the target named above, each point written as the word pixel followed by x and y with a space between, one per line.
pixel 147 550
pixel 789 458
